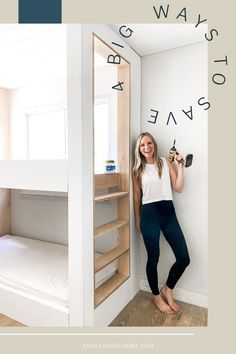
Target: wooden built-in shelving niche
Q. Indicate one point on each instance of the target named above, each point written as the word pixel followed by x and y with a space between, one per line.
pixel 115 186
pixel 121 252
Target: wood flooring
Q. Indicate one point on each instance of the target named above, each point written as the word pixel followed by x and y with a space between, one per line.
pixel 140 311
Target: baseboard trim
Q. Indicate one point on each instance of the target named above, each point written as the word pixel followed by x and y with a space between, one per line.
pixel 181 294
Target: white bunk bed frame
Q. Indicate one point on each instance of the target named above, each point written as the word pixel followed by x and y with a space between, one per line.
pixel 30 311
pixel 74 176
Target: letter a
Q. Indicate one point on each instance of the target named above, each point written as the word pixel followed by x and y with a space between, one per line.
pixel 191 111
pixel 171 115
pixel 118 86
pixel 184 15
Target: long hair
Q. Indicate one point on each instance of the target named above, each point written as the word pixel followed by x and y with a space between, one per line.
pixel 139 159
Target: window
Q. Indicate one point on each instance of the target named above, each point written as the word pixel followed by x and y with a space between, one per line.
pixel 46 135
pixel 101 134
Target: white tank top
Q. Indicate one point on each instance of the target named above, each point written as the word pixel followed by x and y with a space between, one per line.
pixel 155 188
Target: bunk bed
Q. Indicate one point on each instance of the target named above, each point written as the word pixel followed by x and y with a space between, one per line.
pixel 75 300
pixel 33 285
pixel 34 280
pixel 34 276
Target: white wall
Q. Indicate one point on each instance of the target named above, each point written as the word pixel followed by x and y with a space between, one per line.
pixel 105 212
pixel 40 217
pixel 171 81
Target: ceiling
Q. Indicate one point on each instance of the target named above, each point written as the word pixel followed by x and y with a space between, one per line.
pixel 148 39
pixel 36 52
pixel 31 53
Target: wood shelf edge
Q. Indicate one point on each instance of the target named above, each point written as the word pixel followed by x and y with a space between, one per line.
pixel 115 224
pixel 107 288
pixel 109 257
pixel 108 196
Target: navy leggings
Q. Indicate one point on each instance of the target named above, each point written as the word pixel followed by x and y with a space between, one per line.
pixel 156 217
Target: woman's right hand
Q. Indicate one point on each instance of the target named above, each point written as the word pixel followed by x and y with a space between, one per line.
pixel 137 224
pixel 137 202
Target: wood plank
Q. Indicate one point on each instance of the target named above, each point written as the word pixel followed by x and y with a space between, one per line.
pixel 124 261
pixel 5 211
pixel 107 288
pixel 123 205
pixel 107 180
pixel 109 257
pixel 123 126
pixel 8 322
pixel 140 311
pixel 108 196
pixel 101 230
pixel 105 50
pixel 4 124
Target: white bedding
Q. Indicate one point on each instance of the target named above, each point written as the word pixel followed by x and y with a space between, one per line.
pixel 105 273
pixel 39 268
pixel 35 267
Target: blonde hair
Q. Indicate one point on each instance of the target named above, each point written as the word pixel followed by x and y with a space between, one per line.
pixel 139 159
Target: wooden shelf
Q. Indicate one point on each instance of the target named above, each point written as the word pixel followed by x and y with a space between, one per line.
pixel 108 196
pixel 109 257
pixel 104 290
pixel 101 230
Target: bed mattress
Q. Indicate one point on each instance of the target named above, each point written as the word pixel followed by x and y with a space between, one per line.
pixel 39 268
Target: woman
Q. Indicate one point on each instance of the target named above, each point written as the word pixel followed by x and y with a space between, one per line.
pixel 154 212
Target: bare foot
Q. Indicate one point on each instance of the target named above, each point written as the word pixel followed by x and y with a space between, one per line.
pixel 167 292
pixel 161 305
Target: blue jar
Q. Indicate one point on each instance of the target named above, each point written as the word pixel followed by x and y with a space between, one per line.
pixel 110 166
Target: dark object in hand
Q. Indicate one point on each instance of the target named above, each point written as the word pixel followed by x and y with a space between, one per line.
pixel 173 152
